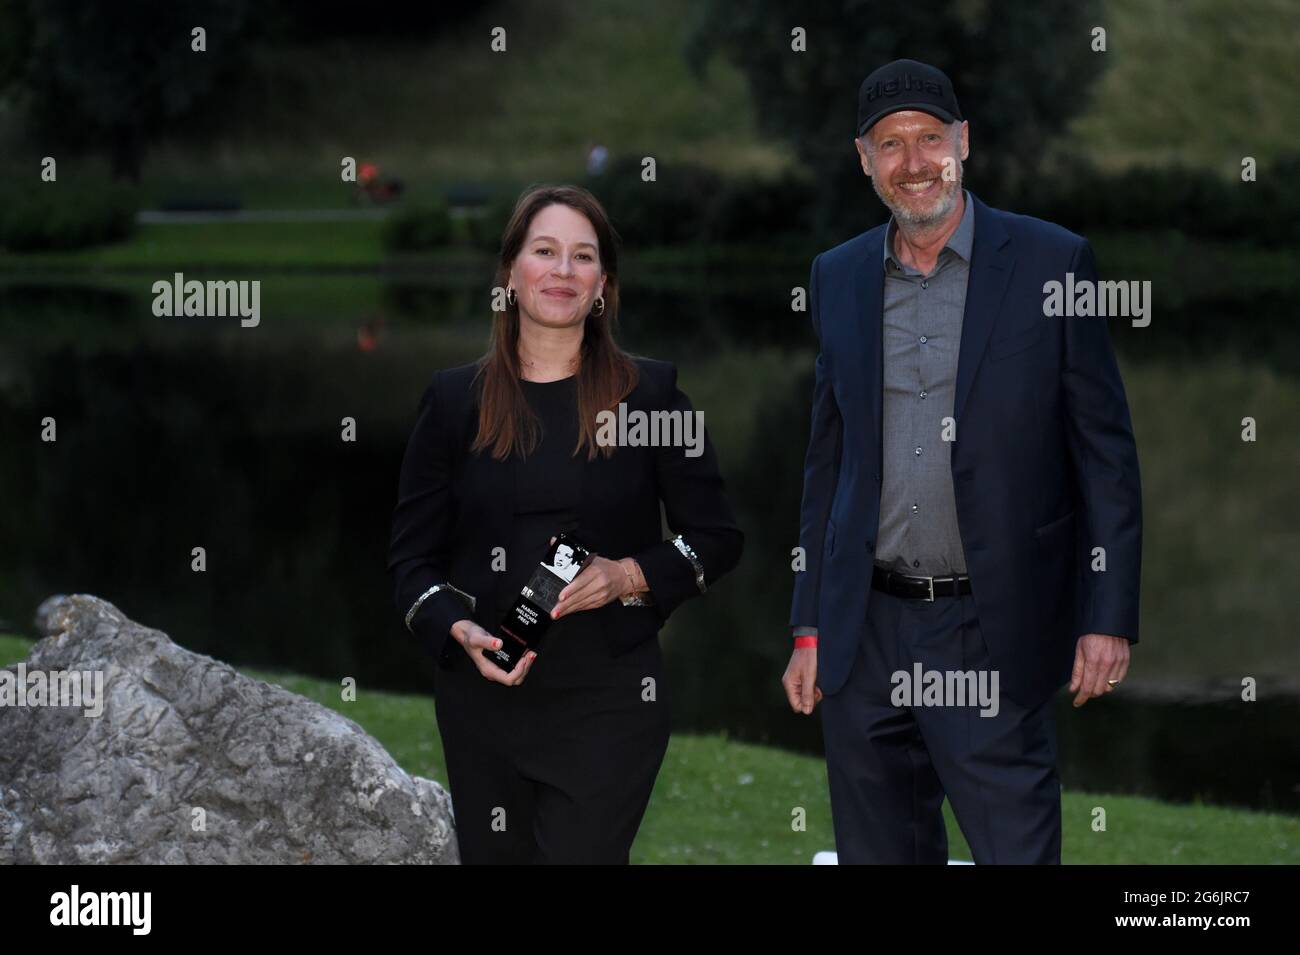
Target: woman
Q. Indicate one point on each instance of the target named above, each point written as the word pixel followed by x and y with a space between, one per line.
pixel 553 761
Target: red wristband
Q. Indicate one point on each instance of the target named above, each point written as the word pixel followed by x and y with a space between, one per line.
pixel 805 641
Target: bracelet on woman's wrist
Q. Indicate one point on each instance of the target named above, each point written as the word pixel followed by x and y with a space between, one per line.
pixel 631 581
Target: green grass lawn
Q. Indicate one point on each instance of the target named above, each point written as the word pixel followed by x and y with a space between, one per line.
pixel 717 800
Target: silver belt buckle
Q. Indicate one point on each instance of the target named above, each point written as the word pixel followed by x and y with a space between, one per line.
pixel 930 581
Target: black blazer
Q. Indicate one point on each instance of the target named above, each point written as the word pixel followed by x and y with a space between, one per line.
pixel 454 507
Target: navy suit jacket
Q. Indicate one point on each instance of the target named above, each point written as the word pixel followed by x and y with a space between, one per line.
pixel 1044 465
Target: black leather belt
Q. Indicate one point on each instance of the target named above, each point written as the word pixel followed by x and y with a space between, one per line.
pixel 918 588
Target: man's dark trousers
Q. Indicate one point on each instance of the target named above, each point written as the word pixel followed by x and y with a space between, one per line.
pixel 889 766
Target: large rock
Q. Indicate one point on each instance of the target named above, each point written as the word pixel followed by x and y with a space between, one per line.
pixel 279 778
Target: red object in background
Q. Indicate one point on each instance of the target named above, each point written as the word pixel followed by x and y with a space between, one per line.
pixel 372 187
pixel 370 335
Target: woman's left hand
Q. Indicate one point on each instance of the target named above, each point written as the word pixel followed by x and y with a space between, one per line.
pixel 600 582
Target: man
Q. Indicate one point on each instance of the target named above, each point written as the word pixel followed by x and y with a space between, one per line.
pixel 971 511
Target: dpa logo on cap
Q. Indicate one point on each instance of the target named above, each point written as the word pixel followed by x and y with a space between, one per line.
pixel 906 84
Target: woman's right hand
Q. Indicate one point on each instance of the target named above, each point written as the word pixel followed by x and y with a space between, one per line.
pixel 475 640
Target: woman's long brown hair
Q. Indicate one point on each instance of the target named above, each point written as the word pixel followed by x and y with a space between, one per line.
pixel 606 374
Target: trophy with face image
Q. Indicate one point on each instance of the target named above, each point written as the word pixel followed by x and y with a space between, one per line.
pixel 526 623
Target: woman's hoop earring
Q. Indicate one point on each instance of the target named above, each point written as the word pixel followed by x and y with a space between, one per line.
pixel 600 300
pixel 511 297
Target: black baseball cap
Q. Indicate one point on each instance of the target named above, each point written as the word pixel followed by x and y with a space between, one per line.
pixel 906 84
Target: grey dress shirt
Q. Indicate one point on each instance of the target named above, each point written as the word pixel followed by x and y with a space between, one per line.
pixel 921 334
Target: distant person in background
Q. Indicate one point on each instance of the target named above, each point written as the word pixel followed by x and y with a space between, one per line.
pixel 597 159
pixel 968 458
pixel 504 456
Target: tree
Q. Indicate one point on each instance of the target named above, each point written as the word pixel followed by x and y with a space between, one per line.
pixel 113 75
pixel 1021 71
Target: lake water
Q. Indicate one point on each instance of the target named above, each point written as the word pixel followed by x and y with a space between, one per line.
pixel 177 433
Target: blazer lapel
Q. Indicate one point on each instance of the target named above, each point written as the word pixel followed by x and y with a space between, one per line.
pixel 868 305
pixel 497 479
pixel 990 271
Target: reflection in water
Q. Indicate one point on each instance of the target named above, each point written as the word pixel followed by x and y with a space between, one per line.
pixel 371 334
pixel 173 437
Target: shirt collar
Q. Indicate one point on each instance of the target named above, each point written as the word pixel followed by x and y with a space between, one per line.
pixel 961 241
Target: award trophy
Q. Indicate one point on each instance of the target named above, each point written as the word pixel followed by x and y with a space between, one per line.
pixel 526 623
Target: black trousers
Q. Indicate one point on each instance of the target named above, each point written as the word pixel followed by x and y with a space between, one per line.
pixel 889 766
pixel 560 768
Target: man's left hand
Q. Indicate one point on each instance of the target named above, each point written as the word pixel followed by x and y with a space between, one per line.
pixel 1098 657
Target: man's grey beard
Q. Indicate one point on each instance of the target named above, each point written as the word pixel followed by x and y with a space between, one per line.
pixel 908 216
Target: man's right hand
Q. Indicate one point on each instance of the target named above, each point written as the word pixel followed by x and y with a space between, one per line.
pixel 800 680
pixel 475 639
